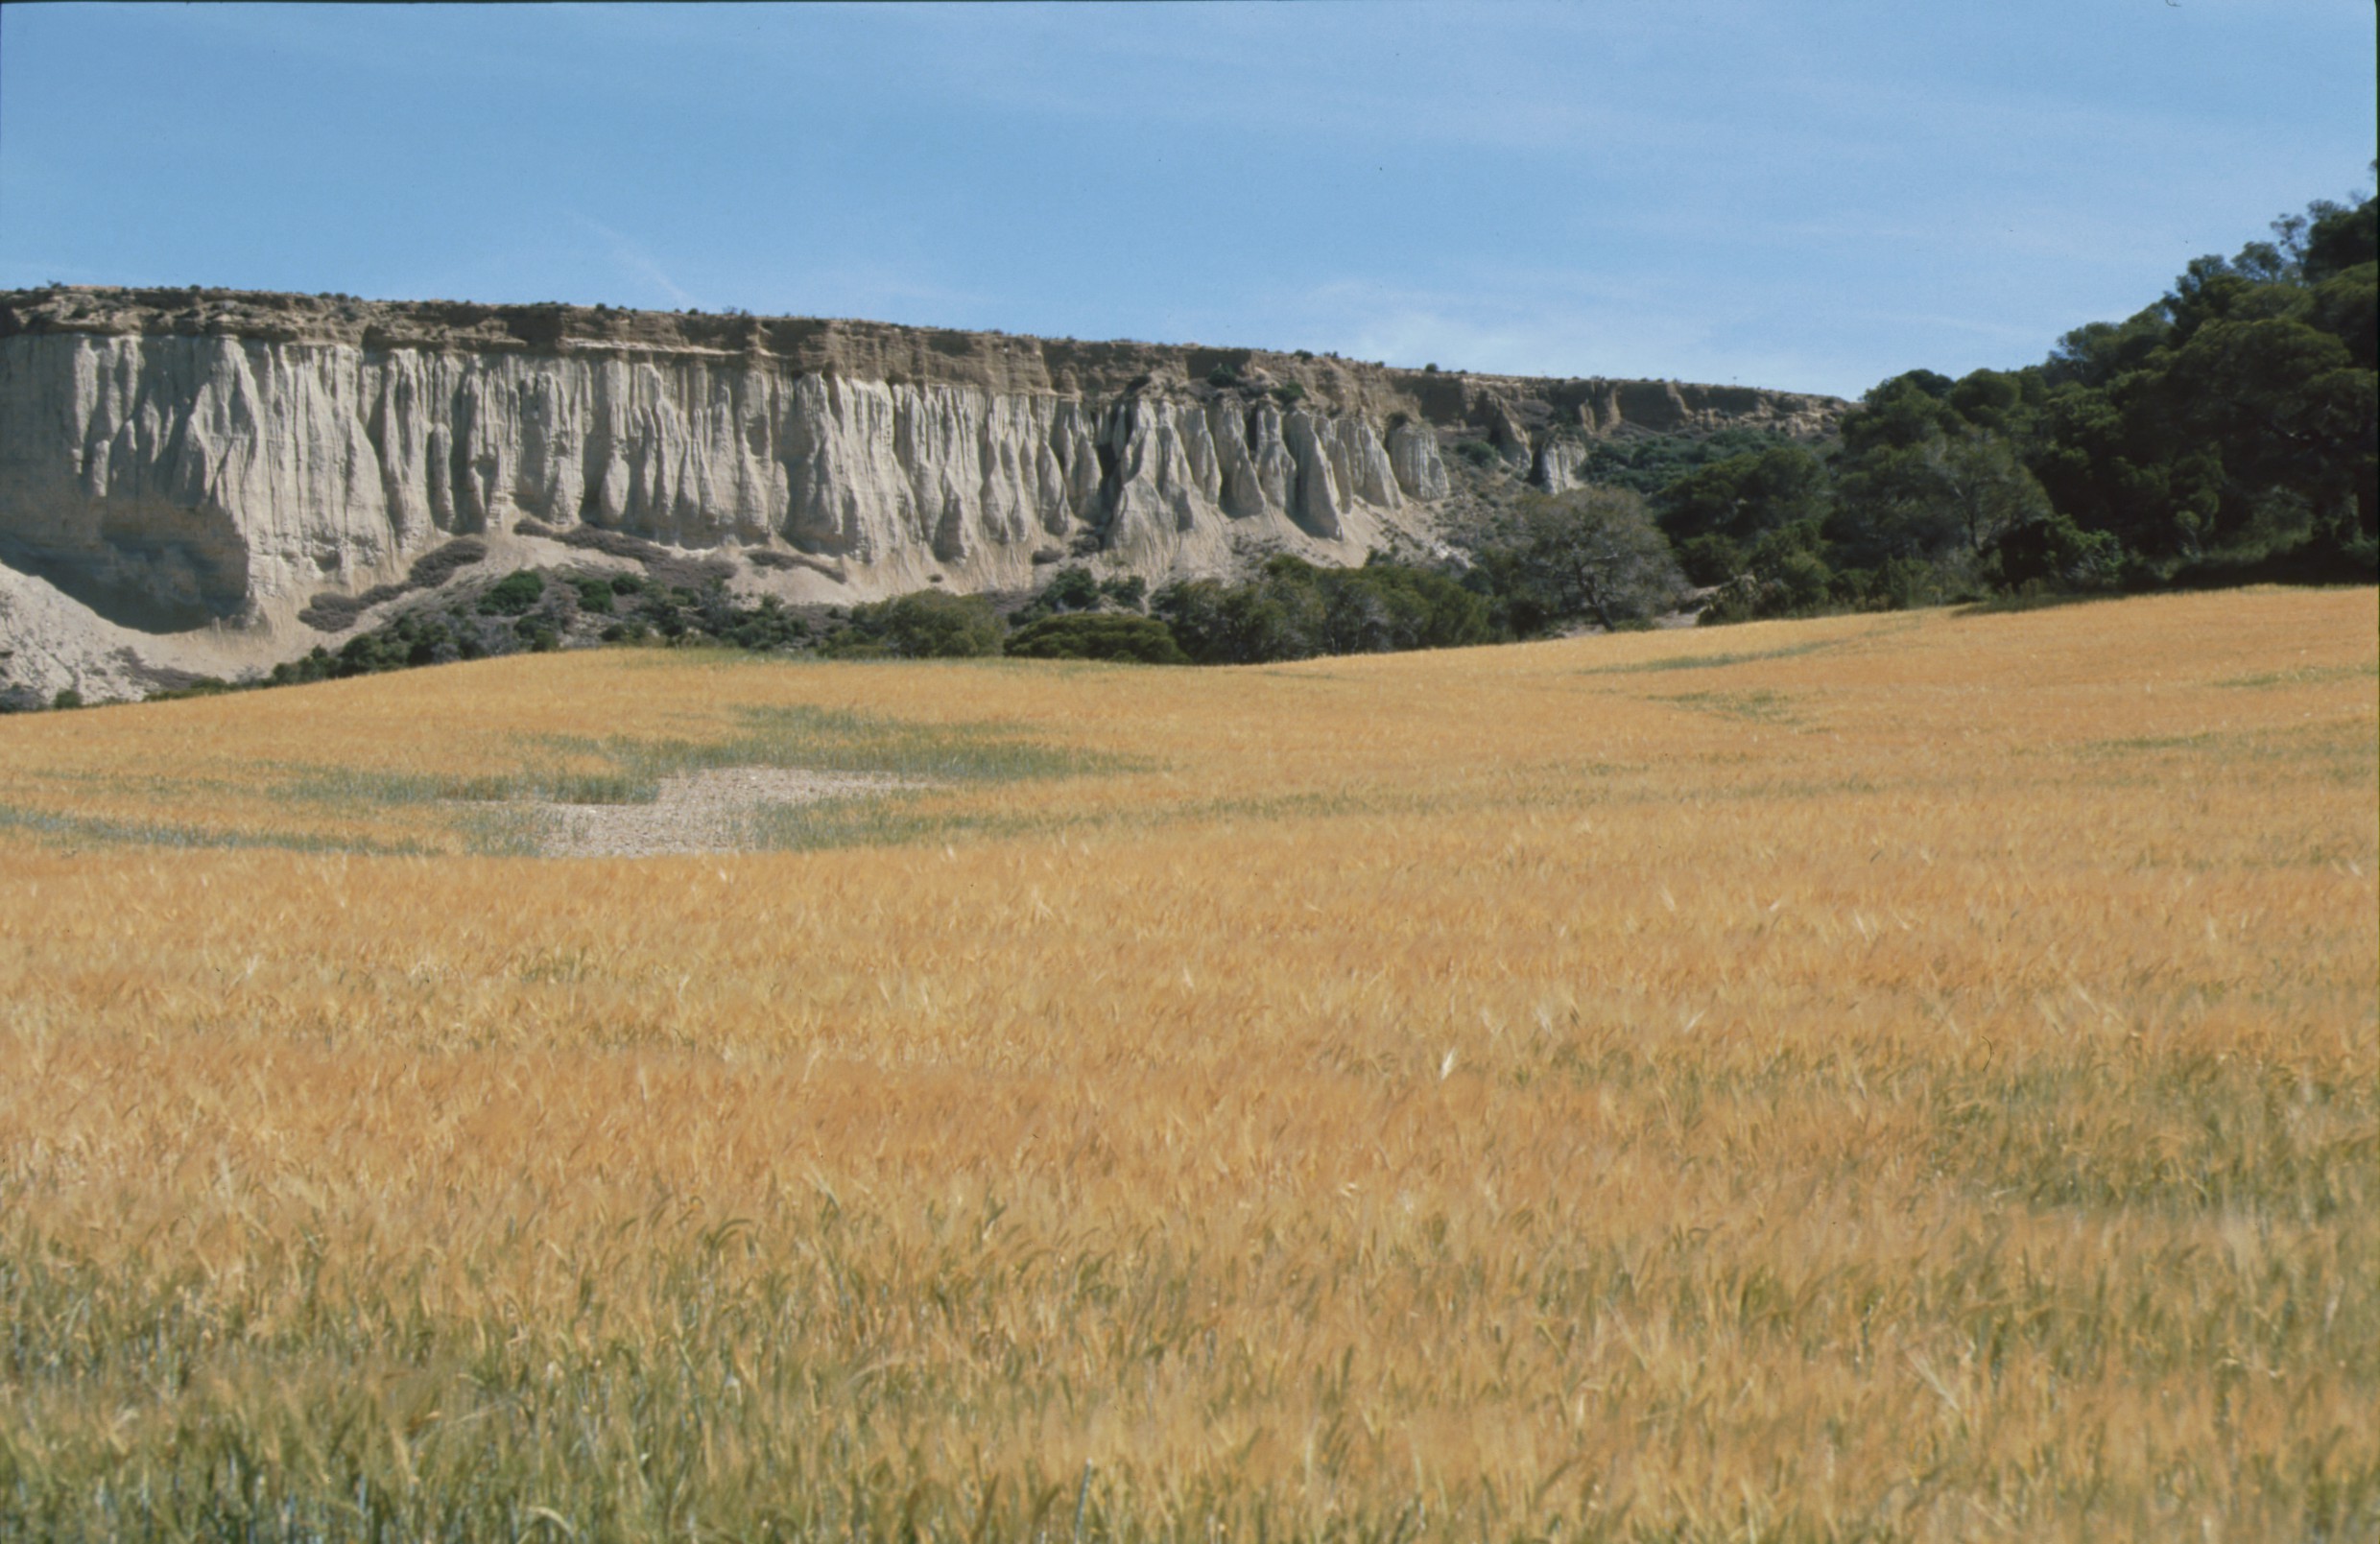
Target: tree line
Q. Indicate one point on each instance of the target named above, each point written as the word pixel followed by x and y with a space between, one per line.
pixel 2228 433
pixel 2224 434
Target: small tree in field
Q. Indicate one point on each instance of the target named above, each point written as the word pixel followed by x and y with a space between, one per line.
pixel 1592 552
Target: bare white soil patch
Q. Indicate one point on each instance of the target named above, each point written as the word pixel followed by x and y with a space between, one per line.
pixel 702 812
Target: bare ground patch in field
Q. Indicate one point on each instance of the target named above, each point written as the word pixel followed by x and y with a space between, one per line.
pixel 716 811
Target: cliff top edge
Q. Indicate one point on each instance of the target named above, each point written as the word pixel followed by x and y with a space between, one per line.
pixel 876 350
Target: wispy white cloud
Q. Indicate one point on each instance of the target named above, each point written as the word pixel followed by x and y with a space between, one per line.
pixel 1811 196
pixel 876 291
pixel 1525 323
pixel 634 262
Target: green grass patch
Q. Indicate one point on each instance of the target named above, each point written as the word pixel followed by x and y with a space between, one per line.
pixel 2304 675
pixel 556 768
pixel 1716 661
pixel 871 820
pixel 2039 600
pixel 839 741
pixel 2152 744
pixel 2314 740
pixel 102 830
pixel 1758 706
pixel 496 813
pixel 493 813
pixel 904 819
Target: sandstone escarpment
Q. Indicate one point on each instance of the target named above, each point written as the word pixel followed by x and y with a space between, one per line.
pixel 177 461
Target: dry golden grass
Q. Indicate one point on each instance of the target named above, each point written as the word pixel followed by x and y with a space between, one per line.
pixel 1901 1078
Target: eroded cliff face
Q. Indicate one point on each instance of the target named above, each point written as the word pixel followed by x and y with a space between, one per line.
pixel 181 459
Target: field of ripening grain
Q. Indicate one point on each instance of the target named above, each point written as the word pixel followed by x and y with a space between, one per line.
pixel 1880 1077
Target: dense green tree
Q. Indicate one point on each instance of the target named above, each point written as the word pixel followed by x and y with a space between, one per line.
pixel 1099 635
pixel 2237 416
pixel 1591 553
pixel 1219 624
pixel 2346 305
pixel 1293 609
pixel 513 594
pixel 1714 514
pixel 2052 551
pixel 1942 497
pixel 1650 462
pixel 1071 589
pixel 921 625
pixel 2338 237
pixel 2290 414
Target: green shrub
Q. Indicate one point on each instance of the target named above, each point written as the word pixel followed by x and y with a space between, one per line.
pixel 594 595
pixel 1071 589
pixel 1591 553
pixel 513 594
pixel 1803 583
pixel 766 624
pixel 2059 554
pixel 1902 583
pixel 1219 624
pixel 1710 560
pixel 436 566
pixel 923 625
pixel 1294 609
pixel 1099 635
pixel 1655 463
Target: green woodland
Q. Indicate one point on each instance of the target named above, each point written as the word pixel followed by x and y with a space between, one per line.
pixel 2225 434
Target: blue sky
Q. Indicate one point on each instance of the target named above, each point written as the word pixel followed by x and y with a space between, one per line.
pixel 1811 195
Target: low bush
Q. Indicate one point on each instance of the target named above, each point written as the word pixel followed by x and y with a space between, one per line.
pixel 515 594
pixel 923 625
pixel 436 566
pixel 1296 610
pixel 765 625
pixel 613 543
pixel 1071 589
pixel 2053 552
pixel 1099 635
pixel 332 611
pixel 1591 554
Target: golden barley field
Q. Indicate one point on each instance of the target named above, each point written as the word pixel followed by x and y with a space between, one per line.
pixel 1879 1078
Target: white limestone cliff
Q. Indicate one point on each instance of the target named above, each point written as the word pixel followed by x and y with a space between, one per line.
pixel 184 463
pixel 180 479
